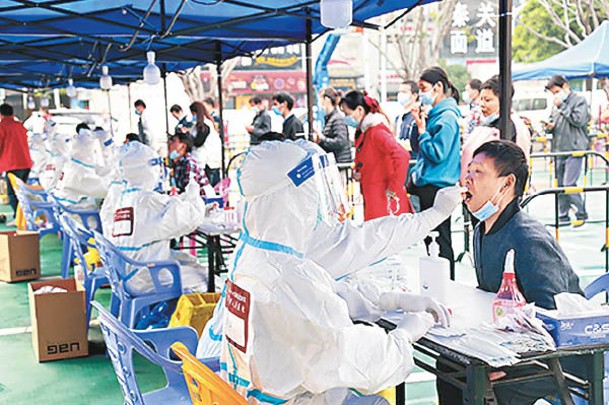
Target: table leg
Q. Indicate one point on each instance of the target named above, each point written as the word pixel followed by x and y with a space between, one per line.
pixel 212 248
pixel 400 394
pixel 477 385
pixel 596 373
pixel 559 378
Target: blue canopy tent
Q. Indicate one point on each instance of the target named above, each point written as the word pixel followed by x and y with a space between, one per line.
pixel 586 59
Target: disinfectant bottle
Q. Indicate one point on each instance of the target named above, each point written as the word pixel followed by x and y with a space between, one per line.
pixel 434 272
pixel 508 299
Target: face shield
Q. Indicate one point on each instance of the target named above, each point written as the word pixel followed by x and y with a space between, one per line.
pixel 323 171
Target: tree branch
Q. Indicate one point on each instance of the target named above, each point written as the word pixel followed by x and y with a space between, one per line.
pixel 558 21
pixel 544 37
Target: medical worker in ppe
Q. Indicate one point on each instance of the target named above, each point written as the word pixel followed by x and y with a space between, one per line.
pixel 58 148
pixel 141 222
pixel 288 330
pixel 39 155
pixel 80 185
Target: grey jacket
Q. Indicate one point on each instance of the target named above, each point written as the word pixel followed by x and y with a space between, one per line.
pixel 542 269
pixel 262 125
pixel 336 137
pixel 571 124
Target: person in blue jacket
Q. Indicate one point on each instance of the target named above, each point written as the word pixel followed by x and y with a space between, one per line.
pixel 438 163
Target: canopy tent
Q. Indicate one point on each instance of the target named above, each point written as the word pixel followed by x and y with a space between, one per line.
pixel 588 58
pixel 76 37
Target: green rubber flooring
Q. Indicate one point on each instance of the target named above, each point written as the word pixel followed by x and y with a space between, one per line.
pixel 91 380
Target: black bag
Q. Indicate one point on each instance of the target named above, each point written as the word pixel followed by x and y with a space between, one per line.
pixel 201 135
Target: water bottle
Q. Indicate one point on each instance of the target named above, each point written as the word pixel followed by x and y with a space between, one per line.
pixel 509 299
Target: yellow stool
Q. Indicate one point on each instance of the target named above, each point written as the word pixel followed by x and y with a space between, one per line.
pixel 388 394
pixel 194 310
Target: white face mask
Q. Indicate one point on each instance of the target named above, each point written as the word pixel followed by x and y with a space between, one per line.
pixel 489 120
pixel 404 98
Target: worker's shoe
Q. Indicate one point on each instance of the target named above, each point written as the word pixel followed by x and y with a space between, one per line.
pixel 564 221
pixel 580 220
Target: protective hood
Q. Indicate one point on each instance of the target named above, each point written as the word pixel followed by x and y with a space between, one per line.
pixel 139 166
pixel 277 211
pixel 36 142
pixel 59 144
pixel 83 147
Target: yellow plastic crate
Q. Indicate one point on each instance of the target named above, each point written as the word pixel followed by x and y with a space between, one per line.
pixel 194 310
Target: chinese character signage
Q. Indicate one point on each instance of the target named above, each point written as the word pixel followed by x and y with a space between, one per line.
pixel 473 30
pixel 279 58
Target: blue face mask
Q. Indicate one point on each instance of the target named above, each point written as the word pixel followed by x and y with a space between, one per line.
pixel 352 122
pixel 403 98
pixel 276 110
pixel 174 155
pixel 193 118
pixel 137 112
pixel 426 98
pixel 487 210
pixel 490 119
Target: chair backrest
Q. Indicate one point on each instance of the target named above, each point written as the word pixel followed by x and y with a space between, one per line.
pixel 89 218
pixel 120 343
pixel 115 263
pixel 206 388
pixel 33 203
pixel 79 235
pixel 601 284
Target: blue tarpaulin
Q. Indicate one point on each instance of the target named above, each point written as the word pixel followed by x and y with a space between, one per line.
pixel 45 41
pixel 586 59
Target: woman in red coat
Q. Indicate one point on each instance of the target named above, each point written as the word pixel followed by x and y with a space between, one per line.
pixel 381 164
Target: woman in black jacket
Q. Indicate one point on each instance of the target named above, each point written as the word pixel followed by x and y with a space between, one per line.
pixel 335 137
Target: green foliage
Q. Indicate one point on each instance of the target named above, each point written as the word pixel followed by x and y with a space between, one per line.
pixel 458 75
pixel 529 48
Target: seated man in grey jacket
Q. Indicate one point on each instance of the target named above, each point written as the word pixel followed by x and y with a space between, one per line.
pixel 495 180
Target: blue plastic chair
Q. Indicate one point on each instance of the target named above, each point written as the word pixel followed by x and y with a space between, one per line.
pixel 88 218
pixel 79 237
pixel 119 268
pixel 34 204
pixel 155 346
pixel 601 284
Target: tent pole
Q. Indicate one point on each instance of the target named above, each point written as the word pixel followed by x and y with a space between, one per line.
pixel 309 67
pixel 129 108
pixel 164 75
pixel 110 111
pixel 505 63
pixel 220 105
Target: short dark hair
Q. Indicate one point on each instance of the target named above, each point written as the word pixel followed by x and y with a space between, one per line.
pixel 436 74
pixel 494 84
pixel 175 108
pixel 272 136
pixel 139 103
pixel 184 138
pixel 256 100
pixel 130 137
pixel 412 85
pixel 6 110
pixel 209 101
pixel 556 81
pixel 475 84
pixel 508 159
pixel 82 125
pixel 283 97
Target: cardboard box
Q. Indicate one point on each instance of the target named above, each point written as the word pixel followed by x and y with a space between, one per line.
pixel 19 256
pixel 59 322
pixel 570 331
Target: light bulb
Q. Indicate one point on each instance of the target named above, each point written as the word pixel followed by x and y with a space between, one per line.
pixel 336 13
pixel 31 105
pixel 71 90
pixel 105 81
pixel 44 102
pixel 152 73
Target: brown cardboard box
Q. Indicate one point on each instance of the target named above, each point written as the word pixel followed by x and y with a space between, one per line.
pixel 59 322
pixel 19 256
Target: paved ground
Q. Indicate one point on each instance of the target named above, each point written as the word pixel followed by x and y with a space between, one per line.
pixel 91 380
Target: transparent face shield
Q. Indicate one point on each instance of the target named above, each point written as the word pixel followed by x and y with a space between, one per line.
pixel 322 169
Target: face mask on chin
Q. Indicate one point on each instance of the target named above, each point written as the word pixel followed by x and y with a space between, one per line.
pixel 488 209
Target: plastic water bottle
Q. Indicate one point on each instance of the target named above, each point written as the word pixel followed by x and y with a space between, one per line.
pixel 434 271
pixel 509 299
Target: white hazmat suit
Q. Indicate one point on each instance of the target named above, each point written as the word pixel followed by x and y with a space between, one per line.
pixel 80 185
pixel 141 222
pixel 288 334
pixel 58 149
pixel 40 155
